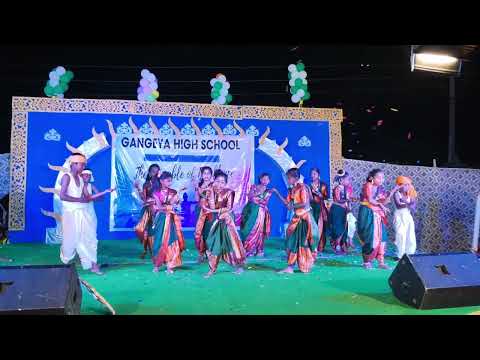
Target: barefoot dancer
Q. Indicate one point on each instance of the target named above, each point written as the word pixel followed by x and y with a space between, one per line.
pixel 223 241
pixel 319 192
pixel 339 226
pixel 302 232
pixel 78 224
pixel 142 229
pixel 372 219
pixel 168 240
pixel 405 202
pixel 93 194
pixel 204 219
pixel 256 220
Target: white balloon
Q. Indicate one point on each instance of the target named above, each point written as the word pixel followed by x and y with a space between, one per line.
pixel 291 82
pixel 295 99
pixel 213 81
pixel 292 68
pixel 224 92
pixel 60 96
pixel 154 85
pixel 295 75
pixel 222 78
pixel 214 101
pixel 145 73
pixel 221 99
pixel 300 93
pixel 141 97
pixel 305 82
pixel 53 75
pixel 53 82
pixel 226 85
pixel 60 70
pixel 302 74
pixel 151 77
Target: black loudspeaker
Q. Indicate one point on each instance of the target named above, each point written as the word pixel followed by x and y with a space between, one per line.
pixel 437 281
pixel 40 290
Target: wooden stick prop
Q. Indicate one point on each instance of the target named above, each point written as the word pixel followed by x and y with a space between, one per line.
pixel 97 295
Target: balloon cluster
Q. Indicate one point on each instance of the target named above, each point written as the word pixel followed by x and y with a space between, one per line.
pixel 219 93
pixel 59 78
pixel 298 82
pixel 148 89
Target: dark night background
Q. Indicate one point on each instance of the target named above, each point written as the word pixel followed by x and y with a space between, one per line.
pixel 352 77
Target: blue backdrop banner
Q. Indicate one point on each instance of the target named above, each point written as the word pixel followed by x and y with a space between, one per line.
pixel 122 138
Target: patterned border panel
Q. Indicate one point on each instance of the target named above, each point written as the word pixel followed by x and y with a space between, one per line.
pixel 336 159
pixel 18 171
pixel 22 105
pixel 289 113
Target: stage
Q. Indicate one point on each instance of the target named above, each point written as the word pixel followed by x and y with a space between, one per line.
pixel 337 285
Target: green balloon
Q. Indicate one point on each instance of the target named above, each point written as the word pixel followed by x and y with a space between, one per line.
pixel 292 90
pixel 304 87
pixel 216 93
pixel 300 67
pixel 57 90
pixel 218 85
pixel 229 98
pixel 212 95
pixel 69 75
pixel 150 98
pixel 64 79
pixel 306 96
pixel 289 76
pixel 48 90
pixel 298 82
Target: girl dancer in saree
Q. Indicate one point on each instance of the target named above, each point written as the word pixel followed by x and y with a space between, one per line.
pixel 151 185
pixel 372 219
pixel 405 202
pixel 302 233
pixel 204 219
pixel 339 224
pixel 168 240
pixel 319 192
pixel 223 241
pixel 256 221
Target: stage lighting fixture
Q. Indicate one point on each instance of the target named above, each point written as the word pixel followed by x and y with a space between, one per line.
pixel 438 59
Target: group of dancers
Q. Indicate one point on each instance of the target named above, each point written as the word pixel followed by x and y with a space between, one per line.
pixel 216 235
pixel 311 219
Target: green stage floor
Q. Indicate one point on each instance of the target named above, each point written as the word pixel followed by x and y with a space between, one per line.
pixel 338 285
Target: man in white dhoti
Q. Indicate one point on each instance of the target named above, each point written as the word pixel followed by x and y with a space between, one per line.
pixel 79 224
pixel 405 201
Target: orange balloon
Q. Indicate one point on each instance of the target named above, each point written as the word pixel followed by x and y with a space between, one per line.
pixel 218 75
